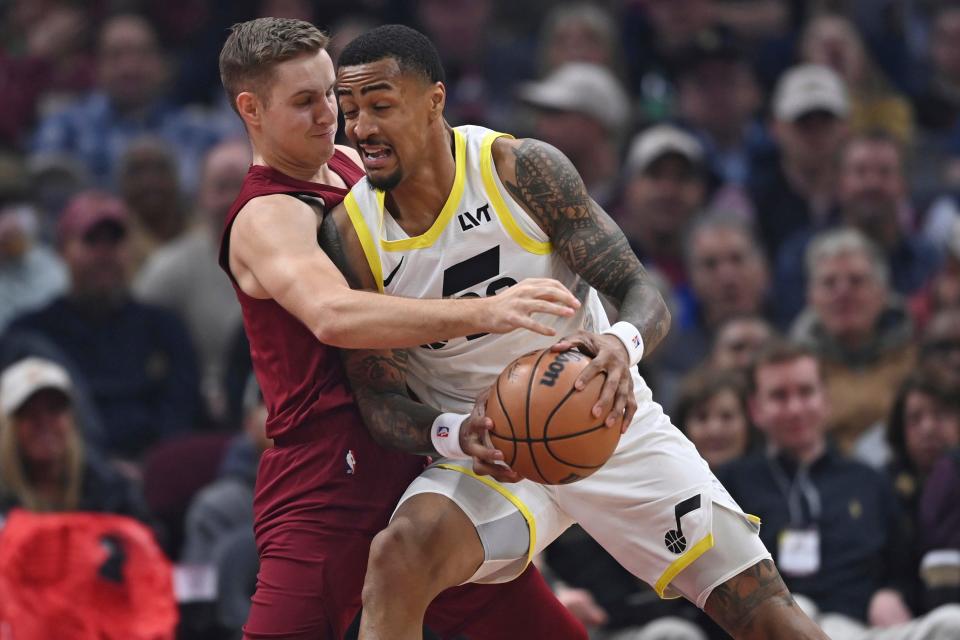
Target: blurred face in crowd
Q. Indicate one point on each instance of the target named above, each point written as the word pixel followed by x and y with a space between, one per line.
pixel 812 140
pixel 223 171
pixel 790 404
pixel 578 40
pixel 150 186
pixel 719 96
pixel 390 117
pixel 456 27
pixel 663 198
pixel 728 274
pixel 872 185
pixel 832 41
pixel 848 297
pixel 930 429
pixel 945 44
pixel 940 347
pixel 131 68
pixel 98 262
pixel 719 428
pixel 294 115
pixel 738 341
pixel 43 426
pixel 677 22
pixel 575 134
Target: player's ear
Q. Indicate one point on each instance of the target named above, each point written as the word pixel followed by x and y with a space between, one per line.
pixel 438 99
pixel 249 107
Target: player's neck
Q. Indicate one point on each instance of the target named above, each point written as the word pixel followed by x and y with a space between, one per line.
pixel 416 202
pixel 289 167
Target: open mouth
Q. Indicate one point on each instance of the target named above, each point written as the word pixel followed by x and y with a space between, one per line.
pixel 375 156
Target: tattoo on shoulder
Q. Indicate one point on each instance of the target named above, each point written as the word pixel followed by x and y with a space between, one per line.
pixel 329 238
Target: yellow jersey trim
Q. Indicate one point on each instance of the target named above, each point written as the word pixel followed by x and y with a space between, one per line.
pixel 428 237
pixel 753 519
pixel 682 563
pixel 510 225
pixel 514 500
pixel 366 238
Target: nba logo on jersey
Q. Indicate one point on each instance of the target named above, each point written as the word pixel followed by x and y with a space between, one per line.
pixel 351 462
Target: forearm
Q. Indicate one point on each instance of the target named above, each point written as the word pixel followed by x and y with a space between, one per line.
pixel 643 307
pixel 366 320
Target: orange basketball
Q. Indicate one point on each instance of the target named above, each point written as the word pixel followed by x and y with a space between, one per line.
pixel 543 425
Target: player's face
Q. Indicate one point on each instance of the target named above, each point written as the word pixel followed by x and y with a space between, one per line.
pixel 386 114
pixel 790 404
pixel 719 428
pixel 299 117
pixel 930 429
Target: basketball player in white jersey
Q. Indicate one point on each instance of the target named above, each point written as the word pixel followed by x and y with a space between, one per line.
pixel 467 212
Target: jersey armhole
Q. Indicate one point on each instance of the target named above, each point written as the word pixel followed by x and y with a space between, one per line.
pixel 500 205
pixel 366 238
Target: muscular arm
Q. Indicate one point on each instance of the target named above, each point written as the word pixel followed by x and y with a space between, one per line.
pixel 378 377
pixel 545 183
pixel 274 254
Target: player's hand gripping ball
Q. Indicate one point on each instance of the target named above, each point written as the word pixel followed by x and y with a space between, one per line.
pixel 543 425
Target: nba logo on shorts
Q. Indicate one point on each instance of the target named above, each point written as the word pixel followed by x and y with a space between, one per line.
pixel 351 462
pixel 443 432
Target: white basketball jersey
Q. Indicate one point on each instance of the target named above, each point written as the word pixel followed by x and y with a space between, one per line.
pixel 481 242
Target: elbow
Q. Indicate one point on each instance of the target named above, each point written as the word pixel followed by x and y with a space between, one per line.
pixel 332 325
pixel 332 334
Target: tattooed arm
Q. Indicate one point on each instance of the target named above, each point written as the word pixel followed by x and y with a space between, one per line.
pixel 545 183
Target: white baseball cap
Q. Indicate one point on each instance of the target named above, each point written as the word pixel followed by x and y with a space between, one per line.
pixel 21 380
pixel 659 140
pixel 810 87
pixel 582 87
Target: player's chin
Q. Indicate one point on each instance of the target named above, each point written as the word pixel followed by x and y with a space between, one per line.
pixel 384 180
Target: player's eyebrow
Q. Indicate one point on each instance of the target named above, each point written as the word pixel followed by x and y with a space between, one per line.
pixel 376 86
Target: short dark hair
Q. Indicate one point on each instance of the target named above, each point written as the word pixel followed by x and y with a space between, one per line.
pixel 701 385
pixel 412 50
pixel 255 47
pixel 926 381
pixel 780 351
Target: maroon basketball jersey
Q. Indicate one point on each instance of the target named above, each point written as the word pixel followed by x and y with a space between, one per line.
pixel 301 379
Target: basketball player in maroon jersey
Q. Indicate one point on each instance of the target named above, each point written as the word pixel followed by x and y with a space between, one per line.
pixel 326 488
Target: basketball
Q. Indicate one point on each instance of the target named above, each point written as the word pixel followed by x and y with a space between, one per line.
pixel 543 425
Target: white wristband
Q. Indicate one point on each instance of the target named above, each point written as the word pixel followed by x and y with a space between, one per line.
pixel 445 435
pixel 631 339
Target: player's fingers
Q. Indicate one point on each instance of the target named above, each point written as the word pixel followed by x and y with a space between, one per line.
pixel 526 322
pixel 607 394
pixel 589 372
pixel 554 309
pixel 499 472
pixel 559 294
pixel 619 405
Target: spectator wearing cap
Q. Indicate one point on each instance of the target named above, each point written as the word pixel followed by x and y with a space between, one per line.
pixel 131 100
pixel 833 40
pixel 860 331
pixel 30 273
pixel 872 197
pixel 44 463
pixel 136 359
pixel 719 98
pixel 582 109
pixel 664 188
pixel 185 278
pixel 810 122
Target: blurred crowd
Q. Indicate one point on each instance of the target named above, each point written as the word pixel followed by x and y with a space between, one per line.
pixel 789 171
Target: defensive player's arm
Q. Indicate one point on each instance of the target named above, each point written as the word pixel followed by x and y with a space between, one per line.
pixel 274 253
pixel 546 184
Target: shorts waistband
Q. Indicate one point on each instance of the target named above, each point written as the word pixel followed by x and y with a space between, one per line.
pixel 319 428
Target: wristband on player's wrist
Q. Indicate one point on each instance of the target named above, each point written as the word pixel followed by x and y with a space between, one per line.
pixel 630 336
pixel 445 435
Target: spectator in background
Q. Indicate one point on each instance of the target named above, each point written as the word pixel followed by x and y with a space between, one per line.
pixel 44 463
pixel 940 345
pixel 712 411
pixel 185 278
pixel 137 359
pixel 130 101
pixel 719 98
pixel 938 103
pixel 31 275
pixel 939 532
pixel 810 122
pixel 665 187
pixel 942 292
pixel 581 109
pixel 833 41
pixel 873 198
pixel 738 340
pixel 832 525
pixel 729 278
pixel 579 32
pixel 150 189
pixel 861 333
